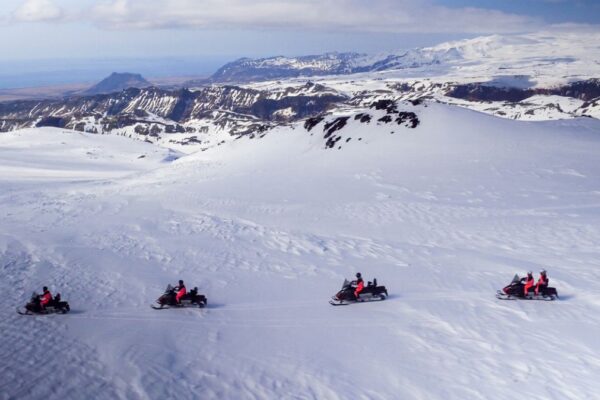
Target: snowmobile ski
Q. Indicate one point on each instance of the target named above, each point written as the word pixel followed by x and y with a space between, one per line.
pixel 504 296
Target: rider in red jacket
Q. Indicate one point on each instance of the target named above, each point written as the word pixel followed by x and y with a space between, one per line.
pixel 180 292
pixel 360 284
pixel 529 282
pixel 46 298
pixel 542 283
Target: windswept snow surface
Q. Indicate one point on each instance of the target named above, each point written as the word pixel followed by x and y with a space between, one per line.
pixel 443 215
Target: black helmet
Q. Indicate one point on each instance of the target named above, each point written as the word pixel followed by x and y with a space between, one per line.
pixel 45 288
pixel 180 282
pixel 358 275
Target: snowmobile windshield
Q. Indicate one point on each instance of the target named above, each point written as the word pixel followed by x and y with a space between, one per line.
pixel 34 295
pixel 516 278
pixel 169 288
pixel 346 284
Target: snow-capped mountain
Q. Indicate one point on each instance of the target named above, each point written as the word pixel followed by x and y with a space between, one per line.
pixel 540 55
pixel 252 70
pixel 249 70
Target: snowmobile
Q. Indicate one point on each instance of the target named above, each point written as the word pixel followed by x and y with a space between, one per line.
pixel 34 307
pixel 371 292
pixel 515 290
pixel 191 299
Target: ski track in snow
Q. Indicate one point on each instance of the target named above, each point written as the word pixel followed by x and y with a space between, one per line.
pixel 269 240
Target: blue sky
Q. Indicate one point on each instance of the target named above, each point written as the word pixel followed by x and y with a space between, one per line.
pixel 225 29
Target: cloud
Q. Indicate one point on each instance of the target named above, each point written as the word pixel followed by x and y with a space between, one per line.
pixel 418 16
pixel 37 11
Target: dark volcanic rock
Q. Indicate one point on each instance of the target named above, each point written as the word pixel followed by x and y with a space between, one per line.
pixel 583 90
pixel 312 122
pixel 481 92
pixel 55 122
pixel 117 82
pixel 364 118
pixel 335 125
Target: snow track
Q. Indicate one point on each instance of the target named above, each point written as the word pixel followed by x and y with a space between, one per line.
pixel 269 229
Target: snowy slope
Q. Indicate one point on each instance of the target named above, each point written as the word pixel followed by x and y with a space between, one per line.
pixel 443 215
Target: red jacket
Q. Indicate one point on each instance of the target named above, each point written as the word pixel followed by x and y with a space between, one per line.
pixel 542 282
pixel 528 284
pixel 46 298
pixel 360 285
pixel 180 293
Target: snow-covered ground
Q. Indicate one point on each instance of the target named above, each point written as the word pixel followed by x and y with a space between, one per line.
pixel 443 215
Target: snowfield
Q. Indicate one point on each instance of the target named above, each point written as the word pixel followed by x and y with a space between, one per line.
pixel 443 215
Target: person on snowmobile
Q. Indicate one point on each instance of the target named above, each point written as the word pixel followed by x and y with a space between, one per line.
pixel 529 281
pixel 542 283
pixel 46 298
pixel 360 284
pixel 180 289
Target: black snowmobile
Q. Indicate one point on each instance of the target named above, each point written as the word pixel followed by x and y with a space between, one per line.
pixel 371 292
pixel 191 299
pixel 516 290
pixel 34 307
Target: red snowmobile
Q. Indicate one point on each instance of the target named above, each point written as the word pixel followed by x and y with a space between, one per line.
pixel 516 290
pixel 191 299
pixel 371 292
pixel 35 306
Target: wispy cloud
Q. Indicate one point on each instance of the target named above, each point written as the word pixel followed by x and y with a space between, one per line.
pixel 38 11
pixel 331 15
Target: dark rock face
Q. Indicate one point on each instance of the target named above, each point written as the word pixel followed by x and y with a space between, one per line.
pixel 385 104
pixel 117 82
pixel 479 92
pixel 364 118
pixel 408 118
pixel 583 90
pixel 335 125
pixel 312 122
pixel 55 122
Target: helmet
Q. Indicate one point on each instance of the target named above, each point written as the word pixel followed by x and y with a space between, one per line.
pixel 180 282
pixel 45 288
pixel 358 275
pixel 543 272
pixel 529 273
